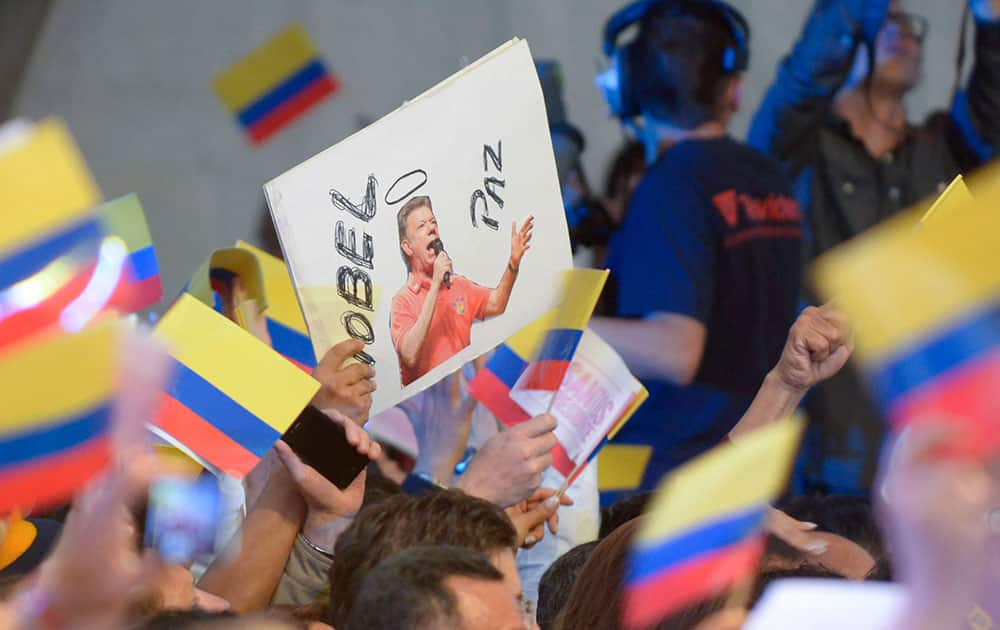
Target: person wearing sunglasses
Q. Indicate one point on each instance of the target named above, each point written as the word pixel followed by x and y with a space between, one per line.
pixel 835 117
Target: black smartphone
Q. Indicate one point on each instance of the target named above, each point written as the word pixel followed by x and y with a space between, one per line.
pixel 322 443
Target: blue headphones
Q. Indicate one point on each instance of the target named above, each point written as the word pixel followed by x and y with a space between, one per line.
pixel 616 82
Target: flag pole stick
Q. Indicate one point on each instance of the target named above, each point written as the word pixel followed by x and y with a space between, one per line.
pixel 565 484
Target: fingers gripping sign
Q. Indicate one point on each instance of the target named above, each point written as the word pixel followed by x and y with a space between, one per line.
pixel 345 386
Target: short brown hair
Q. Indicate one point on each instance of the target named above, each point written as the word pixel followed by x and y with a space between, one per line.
pixel 409 590
pixel 420 201
pixel 379 531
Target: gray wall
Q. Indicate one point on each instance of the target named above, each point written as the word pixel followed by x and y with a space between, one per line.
pixel 132 77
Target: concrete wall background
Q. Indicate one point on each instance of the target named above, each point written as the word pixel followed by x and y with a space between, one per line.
pixel 133 78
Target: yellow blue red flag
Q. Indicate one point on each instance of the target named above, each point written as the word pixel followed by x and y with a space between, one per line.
pixel 231 396
pixel 925 307
pixel 703 530
pixel 539 354
pixel 54 420
pixel 125 219
pixel 275 84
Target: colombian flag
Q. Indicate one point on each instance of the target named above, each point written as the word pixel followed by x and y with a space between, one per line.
pixel 56 266
pixel 285 325
pixel 54 420
pixel 231 397
pixel 125 219
pixel 47 192
pixel 702 532
pixel 276 84
pixel 213 283
pixel 537 356
pixel 925 305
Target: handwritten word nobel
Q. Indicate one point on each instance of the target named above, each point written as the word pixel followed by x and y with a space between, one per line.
pixel 354 283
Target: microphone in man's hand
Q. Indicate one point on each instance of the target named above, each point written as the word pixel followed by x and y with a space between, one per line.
pixel 438 247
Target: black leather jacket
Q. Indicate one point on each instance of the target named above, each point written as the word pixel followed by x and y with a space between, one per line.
pixel 843 189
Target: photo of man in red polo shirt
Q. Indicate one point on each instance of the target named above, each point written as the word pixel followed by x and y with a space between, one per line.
pixel 432 313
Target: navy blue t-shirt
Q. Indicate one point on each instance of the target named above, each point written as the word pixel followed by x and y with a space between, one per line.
pixel 714 233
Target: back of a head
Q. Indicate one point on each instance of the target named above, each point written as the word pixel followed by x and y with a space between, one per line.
pixel 409 590
pixel 595 600
pixel 382 530
pixel 557 582
pixel 622 511
pixel 681 50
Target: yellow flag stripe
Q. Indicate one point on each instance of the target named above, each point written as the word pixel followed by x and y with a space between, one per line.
pixel 48 381
pixel 236 363
pixel 264 69
pixel 899 285
pixel 954 198
pixel 580 288
pixel 44 184
pixel 621 466
pixel 730 478
pixel 282 304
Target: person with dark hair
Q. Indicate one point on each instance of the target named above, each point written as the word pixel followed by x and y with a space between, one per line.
pixel 836 118
pixel 382 530
pixel 849 516
pixel 432 314
pixel 628 165
pixel 706 267
pixel 622 511
pixel 596 599
pixel 557 582
pixel 435 587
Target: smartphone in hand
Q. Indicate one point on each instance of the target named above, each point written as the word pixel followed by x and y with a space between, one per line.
pixel 182 517
pixel 321 443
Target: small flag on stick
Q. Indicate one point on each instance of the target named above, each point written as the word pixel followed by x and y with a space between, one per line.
pixel 597 397
pixel 57 269
pixel 231 397
pixel 54 420
pixel 925 307
pixel 48 194
pixel 537 356
pixel 703 530
pixel 276 84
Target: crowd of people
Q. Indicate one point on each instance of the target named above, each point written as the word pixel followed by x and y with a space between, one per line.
pixel 459 522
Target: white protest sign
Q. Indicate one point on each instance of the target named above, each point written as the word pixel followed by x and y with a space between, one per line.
pixel 433 234
pixel 597 393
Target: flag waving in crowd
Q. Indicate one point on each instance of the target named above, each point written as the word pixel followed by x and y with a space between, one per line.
pixel 219 404
pixel 389 417
pixel 703 531
pixel 541 352
pixel 924 307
